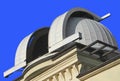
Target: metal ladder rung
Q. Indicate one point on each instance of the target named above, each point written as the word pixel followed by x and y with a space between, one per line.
pixel 108 52
pixel 98 49
pixel 88 46
pixel 107 45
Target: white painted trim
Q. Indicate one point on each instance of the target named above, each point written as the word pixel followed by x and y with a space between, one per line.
pixel 106 16
pixel 13 69
pixel 65 42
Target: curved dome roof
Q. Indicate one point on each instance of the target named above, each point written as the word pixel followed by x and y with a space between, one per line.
pixel 91 31
pixel 30 48
pixel 27 47
pixel 79 20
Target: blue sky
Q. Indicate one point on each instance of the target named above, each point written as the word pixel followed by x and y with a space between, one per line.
pixel 18 18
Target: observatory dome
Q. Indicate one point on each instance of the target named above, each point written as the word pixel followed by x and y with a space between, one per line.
pixel 32 46
pixel 91 31
pixel 79 20
pixel 76 24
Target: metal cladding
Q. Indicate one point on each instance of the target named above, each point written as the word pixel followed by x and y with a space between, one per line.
pixel 83 21
pixel 91 31
pixel 21 50
pixel 30 48
pixel 27 46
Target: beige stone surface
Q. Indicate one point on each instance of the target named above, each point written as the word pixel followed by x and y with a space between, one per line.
pixel 112 74
pixel 67 67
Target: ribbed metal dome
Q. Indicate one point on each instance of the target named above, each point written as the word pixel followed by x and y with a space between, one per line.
pixel 83 21
pixel 91 31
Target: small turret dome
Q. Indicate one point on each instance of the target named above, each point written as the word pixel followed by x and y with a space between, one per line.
pixel 91 31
